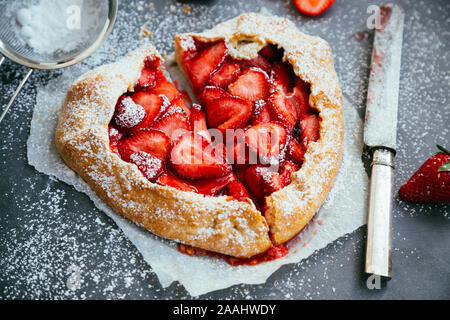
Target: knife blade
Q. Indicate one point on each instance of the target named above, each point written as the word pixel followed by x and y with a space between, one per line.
pixel 380 127
pixel 380 130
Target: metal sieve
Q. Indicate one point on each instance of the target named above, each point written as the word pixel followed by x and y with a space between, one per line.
pixel 16 48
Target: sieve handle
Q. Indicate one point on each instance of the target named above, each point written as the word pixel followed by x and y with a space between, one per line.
pixel 19 88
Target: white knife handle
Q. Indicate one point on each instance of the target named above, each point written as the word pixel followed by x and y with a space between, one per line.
pixel 379 224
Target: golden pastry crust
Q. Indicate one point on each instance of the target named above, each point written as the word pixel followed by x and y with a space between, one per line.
pixel 217 224
pixel 291 208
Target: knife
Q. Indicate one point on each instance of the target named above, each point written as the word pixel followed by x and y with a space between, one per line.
pixel 380 129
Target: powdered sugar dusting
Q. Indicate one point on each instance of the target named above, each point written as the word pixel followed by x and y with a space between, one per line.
pixel 130 115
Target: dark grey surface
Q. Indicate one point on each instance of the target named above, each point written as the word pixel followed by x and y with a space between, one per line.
pixel 46 226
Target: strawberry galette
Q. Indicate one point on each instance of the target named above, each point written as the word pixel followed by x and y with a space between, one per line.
pixel 238 172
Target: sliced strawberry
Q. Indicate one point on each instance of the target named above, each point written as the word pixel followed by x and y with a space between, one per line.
pixel 174 124
pixel 146 80
pixel 228 113
pixel 282 111
pixel 261 114
pixel 114 134
pixel 261 181
pixel 220 150
pixel 282 76
pixel 251 85
pixel 299 99
pixel 168 179
pixel 153 105
pixel 227 73
pixel 180 104
pixel 237 190
pixel 154 142
pixel 165 88
pixel 185 95
pixel 258 62
pixel 128 114
pixel 150 166
pixel 295 152
pixel 211 93
pixel 267 139
pixel 193 157
pixel 310 126
pixel 114 137
pixel 198 121
pixel 313 7
pixel 200 68
pixel 212 187
pixel 286 170
pixel 271 53
pixel 238 153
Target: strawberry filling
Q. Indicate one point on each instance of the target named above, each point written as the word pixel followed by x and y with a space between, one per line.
pixel 244 140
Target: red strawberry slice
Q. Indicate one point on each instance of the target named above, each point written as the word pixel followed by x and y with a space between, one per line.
pixel 295 152
pixel 237 190
pixel 282 76
pixel 198 122
pixel 200 68
pixel 174 124
pixel 281 110
pixel 114 137
pixel 228 113
pixel 178 103
pixel 261 114
pixel 220 150
pixel 286 170
pixel 431 182
pixel 251 85
pixel 165 88
pixel 128 114
pixel 258 62
pixel 153 142
pixel 261 181
pixel 226 74
pixel 114 134
pixel 299 99
pixel 185 95
pixel 146 80
pixel 212 187
pixel 238 153
pixel 168 179
pixel 271 53
pixel 310 126
pixel 150 166
pixel 313 7
pixel 152 104
pixel 267 139
pixel 235 149
pixel 193 157
pixel 113 147
pixel 211 93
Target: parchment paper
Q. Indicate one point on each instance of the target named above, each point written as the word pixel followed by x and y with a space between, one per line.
pixel 343 212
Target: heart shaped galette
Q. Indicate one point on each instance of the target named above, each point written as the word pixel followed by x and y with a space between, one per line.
pixel 242 170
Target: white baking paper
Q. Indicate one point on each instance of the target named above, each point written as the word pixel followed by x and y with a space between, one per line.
pixel 342 213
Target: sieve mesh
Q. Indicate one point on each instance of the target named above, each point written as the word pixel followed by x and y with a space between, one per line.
pixel 15 47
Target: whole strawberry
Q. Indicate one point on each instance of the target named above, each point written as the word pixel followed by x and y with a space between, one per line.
pixel 431 183
pixel 313 7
